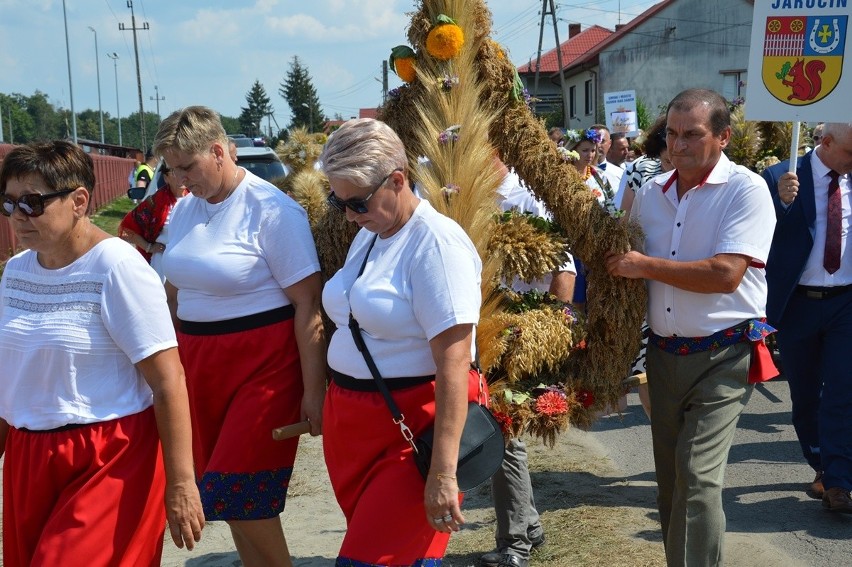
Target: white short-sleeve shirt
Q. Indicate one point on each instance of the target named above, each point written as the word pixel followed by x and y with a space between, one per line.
pixel 417 283
pixel 515 195
pixel 69 338
pixel 233 258
pixel 731 213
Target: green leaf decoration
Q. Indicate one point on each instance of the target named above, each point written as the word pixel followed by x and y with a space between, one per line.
pixel 399 52
pixel 444 19
pixel 517 88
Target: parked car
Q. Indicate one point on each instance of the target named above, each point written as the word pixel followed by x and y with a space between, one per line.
pixel 263 162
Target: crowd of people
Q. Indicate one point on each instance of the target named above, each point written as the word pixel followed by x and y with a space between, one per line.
pixel 134 395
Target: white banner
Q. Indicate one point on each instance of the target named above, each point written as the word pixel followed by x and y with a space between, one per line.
pixel 799 51
pixel 620 109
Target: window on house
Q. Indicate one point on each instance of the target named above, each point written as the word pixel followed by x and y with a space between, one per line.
pixel 733 85
pixel 590 98
pixel 572 100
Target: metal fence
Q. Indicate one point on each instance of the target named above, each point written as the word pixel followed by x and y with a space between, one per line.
pixel 110 182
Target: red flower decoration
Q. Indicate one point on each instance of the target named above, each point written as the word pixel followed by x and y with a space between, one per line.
pixel 248 506
pixel 505 421
pixel 586 398
pixel 551 403
pixel 220 506
pixel 237 487
pixel 581 345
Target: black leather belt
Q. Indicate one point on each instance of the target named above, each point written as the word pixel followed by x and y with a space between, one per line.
pixel 814 292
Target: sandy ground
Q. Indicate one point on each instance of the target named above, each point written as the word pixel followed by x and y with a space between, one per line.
pixel 575 474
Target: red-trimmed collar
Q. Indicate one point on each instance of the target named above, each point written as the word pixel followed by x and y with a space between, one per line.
pixel 670 181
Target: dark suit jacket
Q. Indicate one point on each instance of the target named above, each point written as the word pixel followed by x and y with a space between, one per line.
pixel 793 238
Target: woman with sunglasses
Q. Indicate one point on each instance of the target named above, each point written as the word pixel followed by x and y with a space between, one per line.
pixel 416 300
pixel 243 277
pixel 146 226
pixel 94 419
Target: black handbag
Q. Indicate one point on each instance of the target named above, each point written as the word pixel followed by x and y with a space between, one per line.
pixel 482 446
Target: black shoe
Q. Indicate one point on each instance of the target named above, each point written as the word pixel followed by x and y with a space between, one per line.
pixel 509 560
pixel 498 558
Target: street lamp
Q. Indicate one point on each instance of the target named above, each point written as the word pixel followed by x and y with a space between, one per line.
pixel 114 57
pixel 98 68
pixel 70 86
pixel 311 109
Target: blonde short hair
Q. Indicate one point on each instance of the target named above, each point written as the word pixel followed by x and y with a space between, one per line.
pixel 363 151
pixel 190 130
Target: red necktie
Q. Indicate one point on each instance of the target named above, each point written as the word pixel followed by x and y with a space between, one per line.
pixel 833 227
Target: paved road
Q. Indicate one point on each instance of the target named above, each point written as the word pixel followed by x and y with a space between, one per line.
pixel 771 522
pixel 764 496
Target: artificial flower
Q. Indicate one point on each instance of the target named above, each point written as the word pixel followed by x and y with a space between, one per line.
pixel 401 60
pixel 551 403
pixel 448 82
pixel 450 189
pixel 445 40
pixel 566 154
pixel 451 134
pixel 586 398
pixel 505 421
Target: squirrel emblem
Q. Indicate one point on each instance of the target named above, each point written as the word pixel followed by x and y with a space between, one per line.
pixel 806 83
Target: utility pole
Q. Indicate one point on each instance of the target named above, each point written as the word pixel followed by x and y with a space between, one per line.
pixel 547 7
pixel 98 69
pixel 158 98
pixel 133 28
pixel 114 57
pixel 384 82
pixel 70 86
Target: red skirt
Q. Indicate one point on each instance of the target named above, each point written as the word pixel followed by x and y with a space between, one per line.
pixel 241 386
pixel 88 495
pixel 374 477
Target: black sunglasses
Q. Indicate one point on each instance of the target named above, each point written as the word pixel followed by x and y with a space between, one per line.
pixel 357 205
pixel 31 204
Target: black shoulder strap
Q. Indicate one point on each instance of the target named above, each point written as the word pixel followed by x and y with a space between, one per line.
pixel 355 329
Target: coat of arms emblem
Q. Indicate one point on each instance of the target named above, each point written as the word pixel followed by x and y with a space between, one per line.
pixel 803 57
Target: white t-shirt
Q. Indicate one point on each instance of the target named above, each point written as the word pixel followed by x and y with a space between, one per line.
pixel 69 338
pixel 417 283
pixel 731 213
pixel 233 258
pixel 516 196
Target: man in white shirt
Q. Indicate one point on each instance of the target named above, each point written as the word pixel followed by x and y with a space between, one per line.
pixel 707 225
pixel 519 528
pixel 810 300
pixel 611 171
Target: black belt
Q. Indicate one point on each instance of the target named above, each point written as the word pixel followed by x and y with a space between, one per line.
pixel 814 292
pixel 369 385
pixel 67 427
pixel 239 324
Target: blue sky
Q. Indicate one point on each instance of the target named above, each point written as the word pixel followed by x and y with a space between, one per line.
pixel 210 52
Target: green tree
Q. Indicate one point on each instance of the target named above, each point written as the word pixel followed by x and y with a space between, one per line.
pixel 299 92
pixel 230 124
pixel 48 124
pixel 259 106
pixel 130 130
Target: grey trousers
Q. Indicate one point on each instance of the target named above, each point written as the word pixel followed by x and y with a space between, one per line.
pixel 514 505
pixel 696 401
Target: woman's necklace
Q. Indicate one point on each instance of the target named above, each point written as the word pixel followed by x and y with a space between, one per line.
pixel 221 204
pixel 587 173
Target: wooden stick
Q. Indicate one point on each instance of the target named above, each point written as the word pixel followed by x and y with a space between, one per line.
pixel 288 431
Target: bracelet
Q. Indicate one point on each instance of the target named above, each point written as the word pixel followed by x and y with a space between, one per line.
pixel 442 476
pixel 148 248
